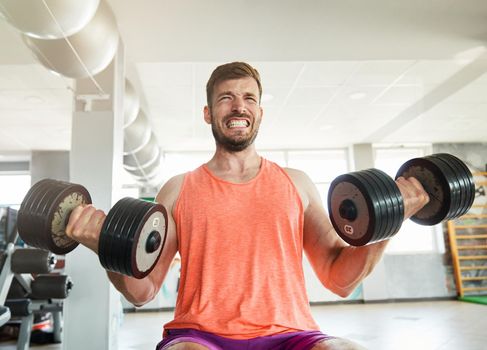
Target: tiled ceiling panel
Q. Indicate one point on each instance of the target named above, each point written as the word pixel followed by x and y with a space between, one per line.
pixel 335 73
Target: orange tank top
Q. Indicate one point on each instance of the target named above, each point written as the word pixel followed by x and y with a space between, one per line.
pixel 241 248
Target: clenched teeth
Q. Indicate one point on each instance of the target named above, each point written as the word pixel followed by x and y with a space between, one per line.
pixel 238 124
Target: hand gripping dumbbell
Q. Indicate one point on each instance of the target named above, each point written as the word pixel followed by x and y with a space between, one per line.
pixel 132 236
pixel 366 206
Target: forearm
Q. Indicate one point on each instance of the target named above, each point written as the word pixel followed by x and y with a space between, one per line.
pixel 136 291
pixel 352 265
pixel 141 291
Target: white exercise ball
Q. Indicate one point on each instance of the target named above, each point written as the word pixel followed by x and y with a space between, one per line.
pixel 137 134
pixel 33 17
pixel 95 44
pixel 131 104
pixel 143 157
pixel 145 172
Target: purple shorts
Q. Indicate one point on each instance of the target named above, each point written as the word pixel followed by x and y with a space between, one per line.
pixel 303 340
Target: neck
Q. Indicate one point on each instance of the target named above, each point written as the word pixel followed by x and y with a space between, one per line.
pixel 235 166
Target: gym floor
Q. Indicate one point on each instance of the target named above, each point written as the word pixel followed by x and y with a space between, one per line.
pixel 422 325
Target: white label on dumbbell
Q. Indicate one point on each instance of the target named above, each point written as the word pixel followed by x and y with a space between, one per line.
pixel 144 260
pixel 348 229
pixel 156 222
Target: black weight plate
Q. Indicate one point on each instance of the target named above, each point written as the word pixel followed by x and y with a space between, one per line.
pixel 116 234
pixel 396 202
pixel 434 183
pixel 399 214
pixel 377 205
pixel 469 189
pixel 41 201
pixel 29 223
pixel 120 238
pixel 136 214
pixel 109 238
pixel 359 231
pixel 154 219
pixel 108 248
pixel 39 207
pixel 457 197
pixel 453 185
pixel 396 209
pixel 38 210
pixel 461 181
pixel 383 204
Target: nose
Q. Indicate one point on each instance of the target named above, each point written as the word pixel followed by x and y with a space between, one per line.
pixel 238 105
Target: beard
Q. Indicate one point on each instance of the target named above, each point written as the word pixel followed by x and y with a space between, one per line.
pixel 236 143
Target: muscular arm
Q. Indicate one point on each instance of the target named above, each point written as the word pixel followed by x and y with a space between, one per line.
pixel 341 267
pixel 85 225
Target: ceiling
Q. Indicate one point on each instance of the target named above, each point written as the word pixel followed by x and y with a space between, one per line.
pixel 334 72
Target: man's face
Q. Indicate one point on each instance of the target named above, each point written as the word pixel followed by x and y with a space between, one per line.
pixel 235 114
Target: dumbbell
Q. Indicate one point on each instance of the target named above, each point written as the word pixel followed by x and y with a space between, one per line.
pixel 132 236
pixel 366 206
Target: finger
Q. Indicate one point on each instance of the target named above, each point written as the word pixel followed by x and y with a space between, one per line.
pixel 82 221
pixel 415 182
pixel 94 228
pixel 96 222
pixel 74 217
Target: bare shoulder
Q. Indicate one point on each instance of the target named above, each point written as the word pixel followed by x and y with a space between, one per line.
pixel 169 192
pixel 303 184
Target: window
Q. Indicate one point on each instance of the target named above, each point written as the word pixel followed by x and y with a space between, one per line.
pixel 13 188
pixel 322 166
pixel 174 163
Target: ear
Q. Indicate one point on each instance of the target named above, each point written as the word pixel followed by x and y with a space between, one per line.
pixel 207 114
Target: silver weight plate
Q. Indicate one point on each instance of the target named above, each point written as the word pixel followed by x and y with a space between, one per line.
pixel 143 259
pixel 358 228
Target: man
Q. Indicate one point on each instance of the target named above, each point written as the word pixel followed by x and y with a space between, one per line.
pixel 240 224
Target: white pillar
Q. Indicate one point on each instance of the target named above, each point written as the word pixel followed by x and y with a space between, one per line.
pixel 375 285
pixel 49 164
pixel 93 309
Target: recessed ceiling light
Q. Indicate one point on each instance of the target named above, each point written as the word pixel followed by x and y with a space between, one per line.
pixel 266 97
pixel 326 127
pixel 468 56
pixel 357 95
pixel 35 100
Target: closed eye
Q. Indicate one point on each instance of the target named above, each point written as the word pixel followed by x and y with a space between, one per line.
pixel 224 97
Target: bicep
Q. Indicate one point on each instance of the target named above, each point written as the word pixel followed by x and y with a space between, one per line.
pixel 168 253
pixel 167 197
pixel 321 243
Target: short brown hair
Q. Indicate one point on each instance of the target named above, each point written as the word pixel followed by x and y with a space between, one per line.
pixel 228 71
